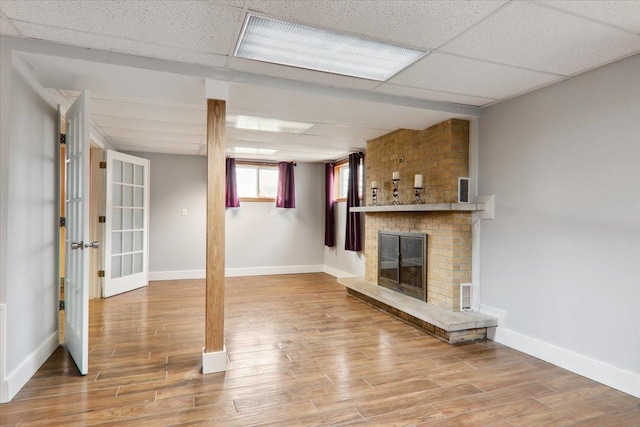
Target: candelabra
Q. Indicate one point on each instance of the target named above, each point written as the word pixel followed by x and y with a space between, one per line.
pixel 418 200
pixel 395 192
pixel 374 196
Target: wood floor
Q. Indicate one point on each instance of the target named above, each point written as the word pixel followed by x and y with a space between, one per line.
pixel 301 353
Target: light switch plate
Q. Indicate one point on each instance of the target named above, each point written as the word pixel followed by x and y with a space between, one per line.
pixel 183 212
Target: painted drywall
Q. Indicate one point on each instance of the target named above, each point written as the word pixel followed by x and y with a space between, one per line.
pixel 562 256
pixel 260 235
pixel 337 261
pixel 260 239
pixel 177 242
pixel 29 178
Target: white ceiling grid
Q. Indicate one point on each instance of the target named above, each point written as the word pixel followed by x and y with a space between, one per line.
pixel 482 52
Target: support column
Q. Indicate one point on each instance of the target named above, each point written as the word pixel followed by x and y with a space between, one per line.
pixel 214 356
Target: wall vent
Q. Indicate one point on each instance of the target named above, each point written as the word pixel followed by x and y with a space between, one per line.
pixel 465 297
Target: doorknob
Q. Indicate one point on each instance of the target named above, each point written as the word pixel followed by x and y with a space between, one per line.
pixel 77 245
pixel 93 245
pixel 82 245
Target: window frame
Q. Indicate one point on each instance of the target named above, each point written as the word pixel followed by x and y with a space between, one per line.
pixel 257 166
pixel 344 163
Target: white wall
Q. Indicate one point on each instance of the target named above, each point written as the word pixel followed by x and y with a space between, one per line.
pixel 177 243
pixel 562 257
pixel 261 239
pixel 29 287
pixel 338 262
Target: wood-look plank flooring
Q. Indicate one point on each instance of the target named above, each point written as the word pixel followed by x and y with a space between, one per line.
pixel 301 353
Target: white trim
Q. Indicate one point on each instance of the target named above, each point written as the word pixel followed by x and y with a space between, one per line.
pixel 267 271
pixel 215 89
pixel 3 341
pixel 338 274
pixel 176 275
pixel 620 379
pixel 215 361
pixel 19 377
pixel 501 315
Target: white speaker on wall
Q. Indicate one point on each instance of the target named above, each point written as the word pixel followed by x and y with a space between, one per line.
pixel 463 189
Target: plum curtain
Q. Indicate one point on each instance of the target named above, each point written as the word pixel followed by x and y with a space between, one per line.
pixel 329 218
pixel 231 199
pixel 286 196
pixel 353 241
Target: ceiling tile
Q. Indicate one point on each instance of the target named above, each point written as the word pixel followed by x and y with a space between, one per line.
pixel 425 25
pixel 164 150
pixel 539 38
pixel 7 29
pixel 432 95
pixel 133 47
pixel 352 132
pixel 150 136
pixel 147 125
pixel 290 138
pixel 293 73
pixel 132 142
pixel 470 77
pixel 625 14
pixel 147 111
pixel 193 25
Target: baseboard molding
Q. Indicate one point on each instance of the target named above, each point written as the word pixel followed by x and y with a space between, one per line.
pixel 267 271
pixel 19 377
pixel 620 379
pixel 338 274
pixel 176 275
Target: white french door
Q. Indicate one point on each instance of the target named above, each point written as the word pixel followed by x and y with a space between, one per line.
pixel 127 224
pixel 76 271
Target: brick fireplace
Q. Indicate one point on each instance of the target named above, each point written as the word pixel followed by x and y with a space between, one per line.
pixel 441 154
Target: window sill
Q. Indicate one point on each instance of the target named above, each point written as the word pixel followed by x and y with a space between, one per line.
pixel 257 199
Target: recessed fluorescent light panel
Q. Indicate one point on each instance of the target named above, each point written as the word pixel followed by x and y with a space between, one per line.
pixel 250 150
pixel 286 43
pixel 266 124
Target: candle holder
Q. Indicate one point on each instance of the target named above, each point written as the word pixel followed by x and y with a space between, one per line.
pixel 395 192
pixel 374 196
pixel 418 200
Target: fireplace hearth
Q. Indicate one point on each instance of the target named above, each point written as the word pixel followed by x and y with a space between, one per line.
pixel 402 263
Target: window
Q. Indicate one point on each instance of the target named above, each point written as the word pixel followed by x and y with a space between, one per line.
pixel 257 182
pixel 341 179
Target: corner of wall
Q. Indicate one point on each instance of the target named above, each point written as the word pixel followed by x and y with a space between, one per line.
pixel 12 383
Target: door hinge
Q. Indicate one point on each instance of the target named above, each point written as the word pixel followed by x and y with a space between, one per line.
pixel 103 165
pixel 100 273
pixel 61 305
pixel 63 138
pixel 63 221
pixel 102 219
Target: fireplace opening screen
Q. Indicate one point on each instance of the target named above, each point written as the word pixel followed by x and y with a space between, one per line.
pixel 402 263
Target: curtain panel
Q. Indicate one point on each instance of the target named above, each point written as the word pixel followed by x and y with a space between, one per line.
pixel 353 241
pixel 231 199
pixel 286 197
pixel 329 201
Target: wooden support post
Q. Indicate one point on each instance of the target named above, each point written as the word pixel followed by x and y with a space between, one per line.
pixel 214 322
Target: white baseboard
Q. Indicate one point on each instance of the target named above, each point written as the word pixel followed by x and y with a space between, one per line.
pixel 620 379
pixel 19 377
pixel 338 274
pixel 267 271
pixel 176 275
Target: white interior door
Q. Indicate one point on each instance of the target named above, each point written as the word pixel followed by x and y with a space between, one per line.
pixel 76 271
pixel 127 224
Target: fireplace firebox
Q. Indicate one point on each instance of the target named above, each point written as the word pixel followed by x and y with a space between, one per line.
pixel 402 263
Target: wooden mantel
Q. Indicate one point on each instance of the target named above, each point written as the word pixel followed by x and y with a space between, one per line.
pixel 427 207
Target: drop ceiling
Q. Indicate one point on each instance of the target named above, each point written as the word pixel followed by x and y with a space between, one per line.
pixel 482 52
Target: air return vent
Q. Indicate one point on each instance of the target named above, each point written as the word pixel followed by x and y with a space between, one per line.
pixel 465 296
